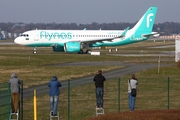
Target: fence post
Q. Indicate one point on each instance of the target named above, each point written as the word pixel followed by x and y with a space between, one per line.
pixel 119 95
pixel 21 101
pixel 35 106
pixel 68 99
pixel 168 93
pixel 9 94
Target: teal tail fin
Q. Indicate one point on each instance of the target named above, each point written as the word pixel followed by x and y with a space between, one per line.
pixel 146 23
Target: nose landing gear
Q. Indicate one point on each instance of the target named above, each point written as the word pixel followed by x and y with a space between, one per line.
pixel 34 52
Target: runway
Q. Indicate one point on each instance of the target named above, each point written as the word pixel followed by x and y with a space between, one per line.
pixel 7 43
pixel 129 69
pixel 165 53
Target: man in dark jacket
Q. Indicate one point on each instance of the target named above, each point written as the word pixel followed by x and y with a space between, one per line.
pixel 54 93
pixel 99 84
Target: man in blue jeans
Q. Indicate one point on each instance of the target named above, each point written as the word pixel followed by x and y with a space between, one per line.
pixel 54 93
pixel 99 84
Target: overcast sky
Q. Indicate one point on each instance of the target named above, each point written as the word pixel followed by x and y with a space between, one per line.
pixel 86 11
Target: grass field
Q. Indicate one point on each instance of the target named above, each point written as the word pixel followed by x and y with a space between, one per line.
pixel 28 66
pixel 36 69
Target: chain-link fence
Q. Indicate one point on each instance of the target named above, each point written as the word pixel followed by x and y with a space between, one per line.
pixel 5 103
pixel 78 103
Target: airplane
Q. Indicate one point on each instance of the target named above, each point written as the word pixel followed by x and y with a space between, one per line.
pixel 77 40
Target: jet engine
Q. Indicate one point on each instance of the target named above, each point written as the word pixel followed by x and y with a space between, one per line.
pixel 72 47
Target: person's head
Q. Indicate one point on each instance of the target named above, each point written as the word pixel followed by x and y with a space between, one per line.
pixel 55 77
pixel 133 76
pixel 13 75
pixel 99 71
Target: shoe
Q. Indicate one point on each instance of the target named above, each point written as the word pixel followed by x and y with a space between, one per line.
pixel 54 114
pixel 101 106
pixel 12 111
pixel 97 107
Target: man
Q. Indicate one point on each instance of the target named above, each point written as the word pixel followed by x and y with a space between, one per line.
pixel 54 93
pixel 132 84
pixel 14 84
pixel 99 84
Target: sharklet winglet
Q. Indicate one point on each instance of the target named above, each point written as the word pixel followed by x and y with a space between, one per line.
pixel 125 31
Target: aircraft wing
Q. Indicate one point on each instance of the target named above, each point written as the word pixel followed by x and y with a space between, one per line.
pixel 106 39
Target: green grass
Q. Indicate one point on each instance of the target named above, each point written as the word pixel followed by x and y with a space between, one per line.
pixel 28 66
pixel 38 67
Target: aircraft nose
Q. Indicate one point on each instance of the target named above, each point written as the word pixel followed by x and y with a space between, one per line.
pixel 17 40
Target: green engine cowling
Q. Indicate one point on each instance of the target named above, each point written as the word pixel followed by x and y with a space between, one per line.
pixel 72 46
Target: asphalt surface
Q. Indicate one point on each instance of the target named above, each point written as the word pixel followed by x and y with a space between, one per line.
pixel 7 43
pixel 129 69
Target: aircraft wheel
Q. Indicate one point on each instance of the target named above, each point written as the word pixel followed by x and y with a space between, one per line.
pixel 34 52
pixel 88 51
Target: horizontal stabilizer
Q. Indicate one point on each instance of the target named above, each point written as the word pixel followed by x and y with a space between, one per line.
pixel 153 34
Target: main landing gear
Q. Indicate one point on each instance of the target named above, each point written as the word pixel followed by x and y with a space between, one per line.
pixel 88 51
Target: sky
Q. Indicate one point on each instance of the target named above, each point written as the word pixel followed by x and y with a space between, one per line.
pixel 86 11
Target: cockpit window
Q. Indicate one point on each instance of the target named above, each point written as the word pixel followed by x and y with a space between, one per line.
pixel 24 35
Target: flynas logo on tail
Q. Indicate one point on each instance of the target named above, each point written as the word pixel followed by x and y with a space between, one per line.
pixel 148 19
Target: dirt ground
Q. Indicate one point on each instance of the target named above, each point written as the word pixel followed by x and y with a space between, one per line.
pixel 142 115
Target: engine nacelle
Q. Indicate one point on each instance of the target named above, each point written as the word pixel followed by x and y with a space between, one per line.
pixel 58 48
pixel 72 46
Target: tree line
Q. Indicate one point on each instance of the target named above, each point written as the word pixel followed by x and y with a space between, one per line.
pixel 166 28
